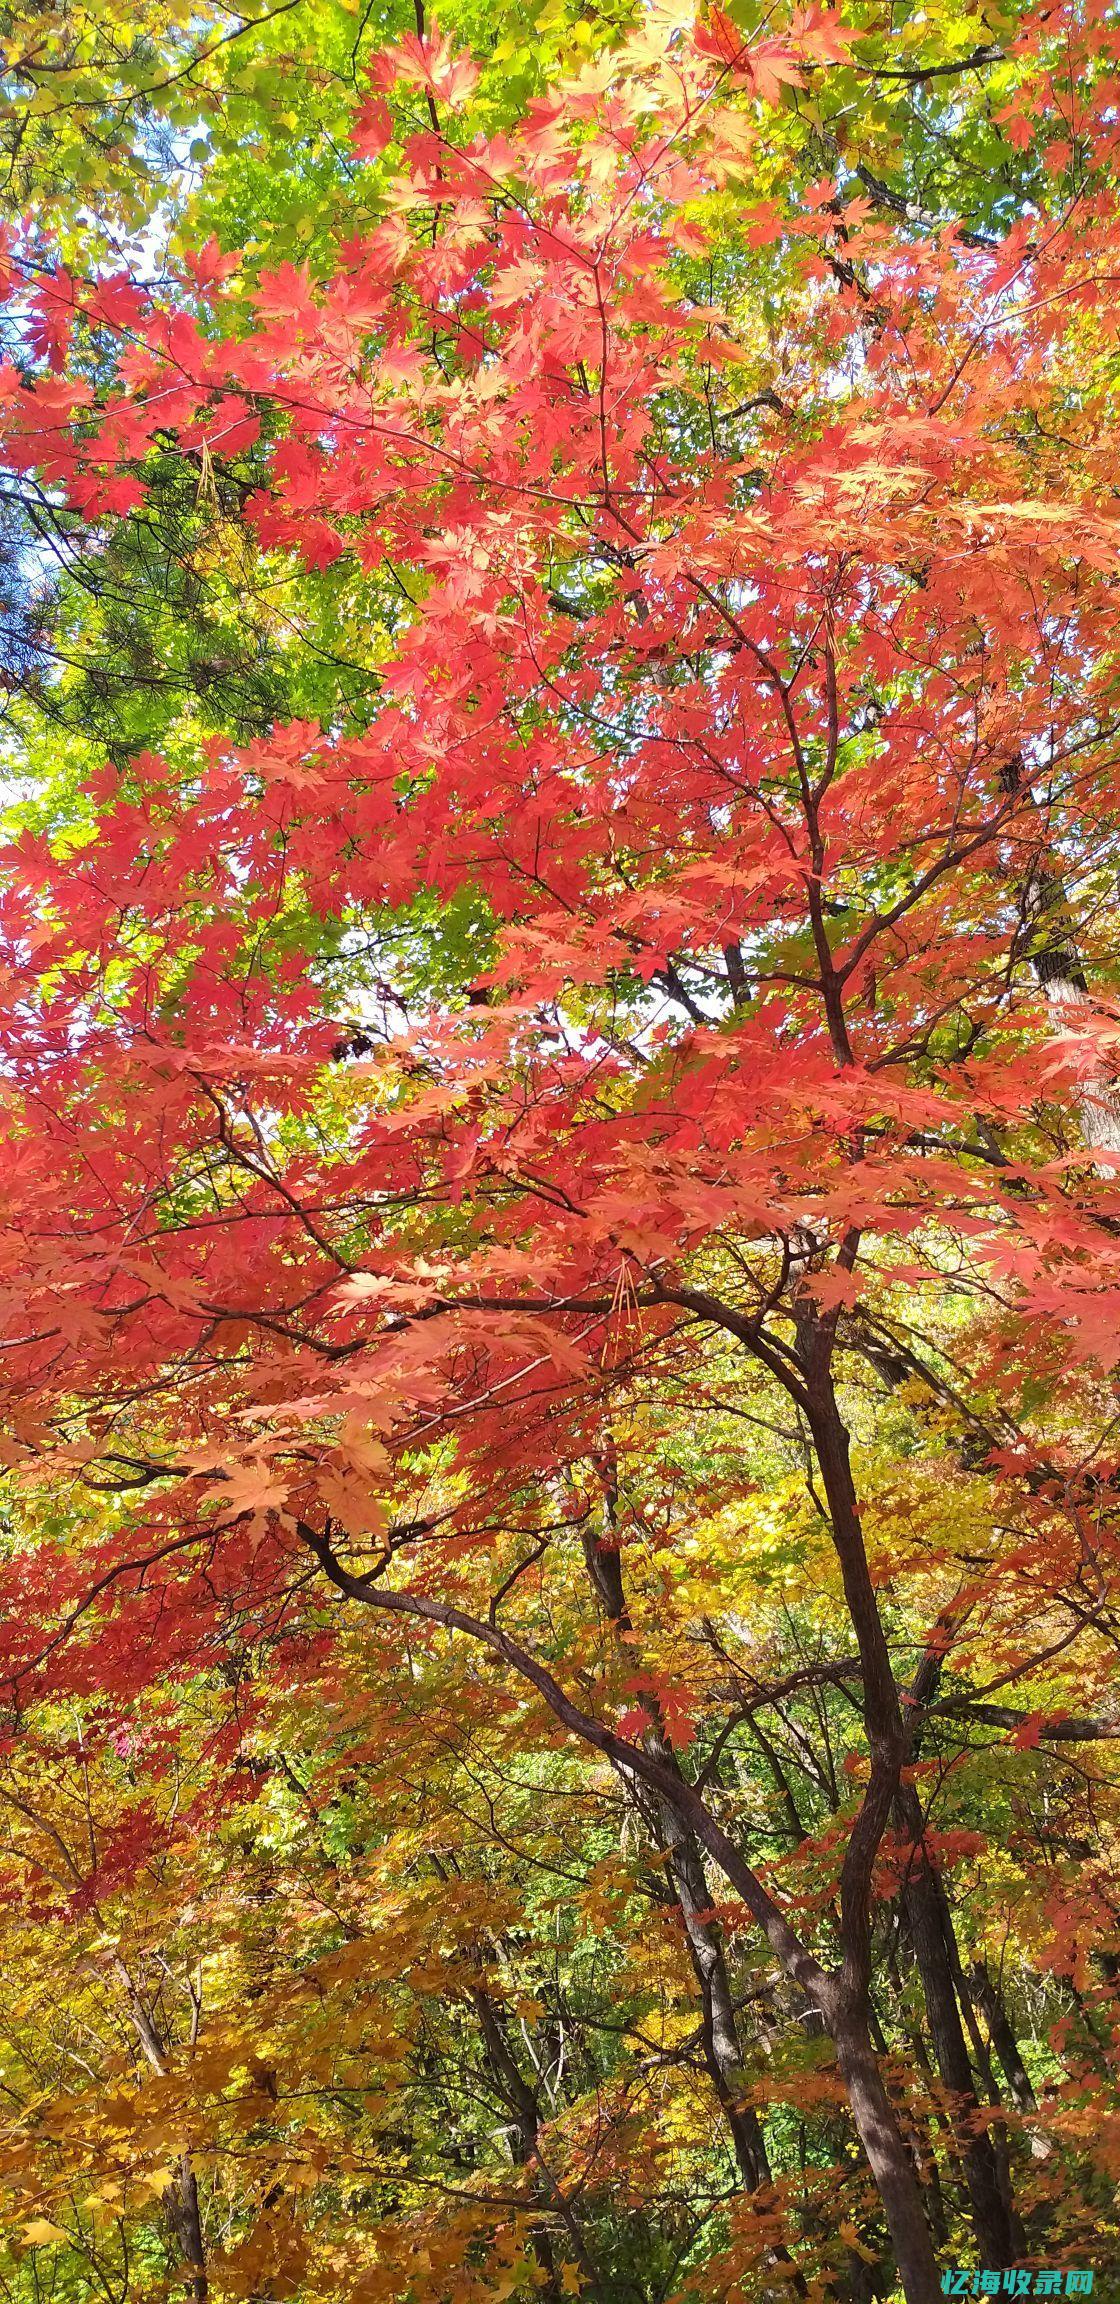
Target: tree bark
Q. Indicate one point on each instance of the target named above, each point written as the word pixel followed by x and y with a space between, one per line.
pixel 882 2140
pixel 522 2103
pixel 842 2005
pixel 874 2116
pixel 988 2000
pixel 720 2031
pixel 991 2221
pixel 1057 964
pixel 184 2214
pixel 723 2053
pixel 180 2200
pixel 887 1740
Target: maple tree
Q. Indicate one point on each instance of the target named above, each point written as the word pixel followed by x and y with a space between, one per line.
pixel 128 138
pixel 558 1274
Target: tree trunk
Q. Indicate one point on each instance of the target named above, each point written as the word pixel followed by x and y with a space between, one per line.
pixel 180 2200
pixel 522 2103
pixel 921 1908
pixel 873 2114
pixel 1057 964
pixel 185 2218
pixel 987 1999
pixel 719 2029
pixel 838 1995
pixel 882 1712
pixel 882 2140
pixel 722 2048
pixel 845 2003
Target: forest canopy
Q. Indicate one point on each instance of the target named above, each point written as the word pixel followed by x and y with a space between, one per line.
pixel 560 1263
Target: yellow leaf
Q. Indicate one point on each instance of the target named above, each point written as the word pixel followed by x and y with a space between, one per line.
pixel 157 2180
pixel 849 2233
pixel 39 2231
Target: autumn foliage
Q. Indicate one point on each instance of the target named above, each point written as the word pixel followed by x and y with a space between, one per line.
pixel 561 1242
